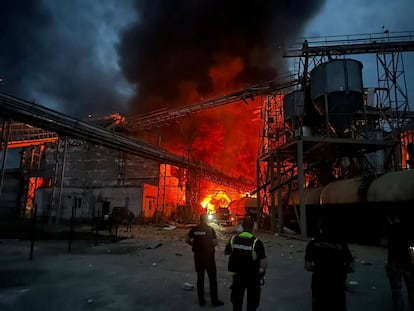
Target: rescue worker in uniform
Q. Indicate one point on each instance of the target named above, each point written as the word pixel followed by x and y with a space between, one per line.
pixel 247 264
pixel 203 240
pixel 329 258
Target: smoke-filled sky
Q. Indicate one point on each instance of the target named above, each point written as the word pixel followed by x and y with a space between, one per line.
pixel 179 52
pixel 85 56
pixel 61 54
pixel 92 56
pixel 97 57
pixel 177 42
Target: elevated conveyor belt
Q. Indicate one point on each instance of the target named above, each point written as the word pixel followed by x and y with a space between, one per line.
pixel 65 126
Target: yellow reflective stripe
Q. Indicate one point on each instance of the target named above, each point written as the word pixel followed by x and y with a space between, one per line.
pixel 232 242
pixel 254 254
pixel 245 235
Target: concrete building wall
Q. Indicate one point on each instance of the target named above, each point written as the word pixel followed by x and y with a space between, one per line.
pixel 90 166
pixel 89 204
pixel 95 177
pixel 10 195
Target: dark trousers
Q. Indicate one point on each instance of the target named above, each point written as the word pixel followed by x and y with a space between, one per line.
pixel 397 272
pixel 328 293
pixel 205 263
pixel 249 283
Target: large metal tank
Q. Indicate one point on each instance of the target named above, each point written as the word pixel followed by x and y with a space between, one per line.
pixel 337 90
pixel 293 108
pixel 295 112
pixel 311 196
pixel 392 187
pixel 344 191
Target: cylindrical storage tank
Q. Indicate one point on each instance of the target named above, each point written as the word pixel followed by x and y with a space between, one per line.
pixel 343 192
pixel 311 197
pixel 293 108
pixel 337 85
pixel 392 187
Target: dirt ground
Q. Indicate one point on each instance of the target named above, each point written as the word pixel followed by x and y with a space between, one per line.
pixel 149 269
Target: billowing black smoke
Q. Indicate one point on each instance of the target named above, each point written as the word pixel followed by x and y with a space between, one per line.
pixel 177 41
pixel 58 54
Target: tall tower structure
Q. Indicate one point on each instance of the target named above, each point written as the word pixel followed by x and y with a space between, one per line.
pixel 333 127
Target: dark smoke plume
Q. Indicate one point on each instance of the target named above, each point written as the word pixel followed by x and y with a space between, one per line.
pixel 183 51
pixel 177 41
pixel 58 54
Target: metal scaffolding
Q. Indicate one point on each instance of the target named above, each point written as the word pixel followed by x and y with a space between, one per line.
pixel 286 159
pixel 48 125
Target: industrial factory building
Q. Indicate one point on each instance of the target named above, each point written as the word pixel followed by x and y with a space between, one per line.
pixel 326 143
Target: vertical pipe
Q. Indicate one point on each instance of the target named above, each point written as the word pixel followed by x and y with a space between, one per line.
pixel 272 194
pixel 327 115
pixel 53 201
pixel 116 223
pixel 33 237
pixel 97 217
pixel 279 194
pixel 301 183
pixel 258 211
pixel 163 195
pixel 72 223
pixel 158 198
pixel 65 145
pixel 4 141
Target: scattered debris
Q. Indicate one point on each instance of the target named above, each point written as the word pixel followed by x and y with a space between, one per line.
pixel 170 227
pixel 288 231
pixel 155 246
pixel 188 286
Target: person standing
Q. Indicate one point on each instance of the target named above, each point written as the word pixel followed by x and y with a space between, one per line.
pixel 203 240
pixel 247 264
pixel 400 264
pixel 329 258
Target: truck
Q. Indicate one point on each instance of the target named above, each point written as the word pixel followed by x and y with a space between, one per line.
pixel 221 216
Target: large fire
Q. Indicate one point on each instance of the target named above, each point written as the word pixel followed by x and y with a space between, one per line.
pixel 224 137
pixel 33 184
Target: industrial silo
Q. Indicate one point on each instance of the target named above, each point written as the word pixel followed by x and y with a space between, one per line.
pixel 294 110
pixel 337 93
pixel 300 116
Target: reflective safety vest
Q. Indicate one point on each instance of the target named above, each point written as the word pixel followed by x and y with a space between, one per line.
pixel 243 258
